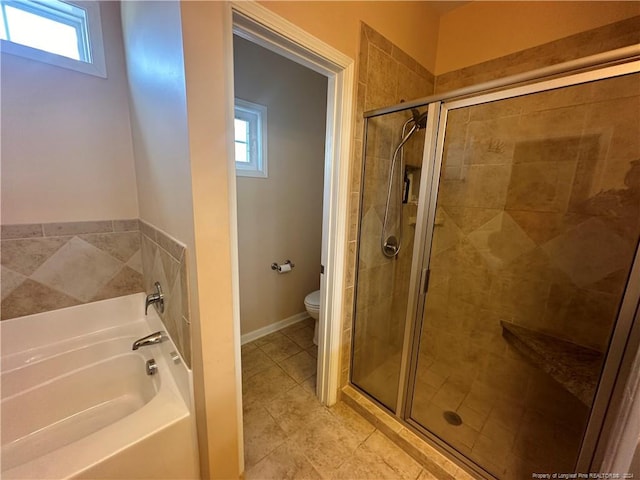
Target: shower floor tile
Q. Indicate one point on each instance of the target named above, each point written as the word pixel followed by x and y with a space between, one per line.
pixel 289 434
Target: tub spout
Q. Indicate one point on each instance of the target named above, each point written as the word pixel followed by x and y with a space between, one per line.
pixel 151 339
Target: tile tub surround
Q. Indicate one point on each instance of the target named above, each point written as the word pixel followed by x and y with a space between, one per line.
pixel 55 265
pixel 164 260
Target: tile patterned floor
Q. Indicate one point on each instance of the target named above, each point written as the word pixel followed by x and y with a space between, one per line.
pixel 288 434
pixel 536 430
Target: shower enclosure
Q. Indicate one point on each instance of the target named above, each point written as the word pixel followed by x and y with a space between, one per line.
pixel 392 173
pixel 494 323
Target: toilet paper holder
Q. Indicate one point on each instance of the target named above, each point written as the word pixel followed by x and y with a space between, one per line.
pixel 275 266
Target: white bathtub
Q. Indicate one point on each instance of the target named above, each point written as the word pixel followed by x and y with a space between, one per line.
pixel 77 402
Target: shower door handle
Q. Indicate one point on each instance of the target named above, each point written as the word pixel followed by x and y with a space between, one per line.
pixel 424 280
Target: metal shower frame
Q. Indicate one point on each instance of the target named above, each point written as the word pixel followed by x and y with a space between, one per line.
pixel 622 346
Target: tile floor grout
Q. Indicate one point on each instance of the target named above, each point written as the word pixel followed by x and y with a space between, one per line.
pixel 289 434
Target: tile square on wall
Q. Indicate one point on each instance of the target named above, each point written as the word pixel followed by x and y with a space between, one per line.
pixel 9 280
pixel 26 255
pixel 78 269
pixel 33 297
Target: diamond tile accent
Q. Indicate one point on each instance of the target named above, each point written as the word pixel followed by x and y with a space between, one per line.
pixel 148 250
pixel 579 252
pixel 25 256
pixel 78 269
pixel 500 241
pixel 173 313
pixel 121 245
pixel 126 282
pixel 170 267
pixel 163 259
pixel 447 233
pixel 135 262
pixel 26 248
pixel 370 253
pixel 157 274
pixel 33 297
pixel 468 219
pixel 9 281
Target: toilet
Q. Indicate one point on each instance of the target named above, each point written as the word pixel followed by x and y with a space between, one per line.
pixel 312 304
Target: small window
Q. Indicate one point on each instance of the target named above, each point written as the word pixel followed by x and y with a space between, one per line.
pixel 250 135
pixel 64 34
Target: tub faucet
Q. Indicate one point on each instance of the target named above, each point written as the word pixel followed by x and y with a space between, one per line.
pixel 150 339
pixel 157 297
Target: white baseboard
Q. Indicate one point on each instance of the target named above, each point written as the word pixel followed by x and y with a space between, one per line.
pixel 274 327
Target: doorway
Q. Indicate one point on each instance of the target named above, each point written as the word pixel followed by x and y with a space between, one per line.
pixel 258 25
pixel 280 128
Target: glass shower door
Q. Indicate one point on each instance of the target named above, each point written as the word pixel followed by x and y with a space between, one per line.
pixel 385 251
pixel 536 225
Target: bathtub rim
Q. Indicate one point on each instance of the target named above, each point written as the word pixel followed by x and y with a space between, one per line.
pixel 23 336
pixel 72 326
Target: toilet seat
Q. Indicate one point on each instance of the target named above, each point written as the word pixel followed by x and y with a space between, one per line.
pixel 312 300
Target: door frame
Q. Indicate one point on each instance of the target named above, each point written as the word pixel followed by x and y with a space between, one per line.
pixel 594 439
pixel 261 26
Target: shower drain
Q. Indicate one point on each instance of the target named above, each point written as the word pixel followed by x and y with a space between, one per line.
pixel 452 418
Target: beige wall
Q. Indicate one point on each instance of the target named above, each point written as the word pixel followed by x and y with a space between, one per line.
pixel 155 65
pixel 207 53
pixel 216 349
pixel 413 26
pixel 153 39
pixel 280 217
pixel 66 139
pixel 481 31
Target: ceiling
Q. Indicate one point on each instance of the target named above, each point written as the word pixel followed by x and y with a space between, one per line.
pixel 445 6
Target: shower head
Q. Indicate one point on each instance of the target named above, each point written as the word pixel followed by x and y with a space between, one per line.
pixel 419 120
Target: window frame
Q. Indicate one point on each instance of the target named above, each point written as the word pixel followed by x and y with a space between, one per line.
pixel 90 41
pixel 257 150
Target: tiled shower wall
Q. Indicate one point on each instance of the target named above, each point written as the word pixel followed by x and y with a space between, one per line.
pixel 537 223
pixel 383 283
pixel 386 75
pixel 56 265
pixel 545 210
pixel 383 69
pixel 164 260
pixel 591 42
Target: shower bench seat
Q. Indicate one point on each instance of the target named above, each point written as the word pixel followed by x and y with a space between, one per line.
pixel 575 367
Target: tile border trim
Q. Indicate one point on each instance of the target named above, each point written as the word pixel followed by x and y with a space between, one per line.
pixel 59 229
